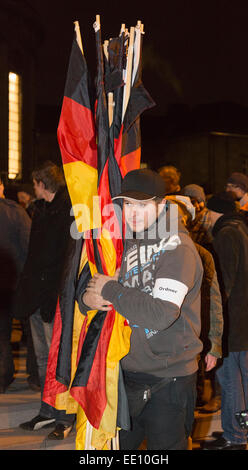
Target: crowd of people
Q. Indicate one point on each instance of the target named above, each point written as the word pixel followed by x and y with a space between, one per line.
pixel 186 302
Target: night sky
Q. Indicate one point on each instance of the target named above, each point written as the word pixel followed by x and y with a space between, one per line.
pixel 195 52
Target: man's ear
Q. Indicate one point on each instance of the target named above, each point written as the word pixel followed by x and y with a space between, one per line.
pixel 42 185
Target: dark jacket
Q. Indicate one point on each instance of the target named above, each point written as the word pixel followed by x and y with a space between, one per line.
pixel 15 227
pixel 40 279
pixel 211 306
pixel 159 293
pixel 231 258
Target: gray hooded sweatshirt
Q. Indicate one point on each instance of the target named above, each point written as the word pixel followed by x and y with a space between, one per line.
pixel 158 292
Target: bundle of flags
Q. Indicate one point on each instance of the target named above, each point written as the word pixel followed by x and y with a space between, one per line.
pixel 99 139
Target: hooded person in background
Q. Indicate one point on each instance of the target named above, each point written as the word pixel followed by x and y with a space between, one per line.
pixel 160 297
pixel 200 227
pixel 230 242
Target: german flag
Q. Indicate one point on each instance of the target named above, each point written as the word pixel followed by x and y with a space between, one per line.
pixel 77 141
pixel 76 372
pixel 104 255
pixel 97 149
pixel 138 102
pixel 77 136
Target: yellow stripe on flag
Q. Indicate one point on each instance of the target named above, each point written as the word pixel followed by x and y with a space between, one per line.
pixel 81 181
pixel 109 253
pixel 118 348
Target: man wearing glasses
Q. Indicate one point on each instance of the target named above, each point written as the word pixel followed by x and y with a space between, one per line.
pixel 238 184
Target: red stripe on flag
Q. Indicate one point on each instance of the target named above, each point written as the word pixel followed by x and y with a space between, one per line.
pixel 52 386
pixel 131 161
pixel 92 398
pixel 118 147
pixel 76 133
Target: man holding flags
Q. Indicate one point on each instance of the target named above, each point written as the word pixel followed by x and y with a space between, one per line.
pixel 99 144
pixel 100 308
pixel 160 296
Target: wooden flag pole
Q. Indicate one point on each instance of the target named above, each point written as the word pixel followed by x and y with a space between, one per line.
pixel 110 94
pixel 88 436
pixel 123 28
pixel 105 48
pixel 127 86
pixel 111 105
pixel 115 441
pixel 97 23
pixel 78 35
pixel 136 52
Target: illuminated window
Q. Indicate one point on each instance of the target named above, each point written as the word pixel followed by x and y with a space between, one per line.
pixel 15 152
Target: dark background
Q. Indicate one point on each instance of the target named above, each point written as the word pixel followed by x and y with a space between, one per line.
pixel 195 52
pixel 194 66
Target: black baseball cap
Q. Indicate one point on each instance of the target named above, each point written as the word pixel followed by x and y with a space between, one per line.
pixel 142 184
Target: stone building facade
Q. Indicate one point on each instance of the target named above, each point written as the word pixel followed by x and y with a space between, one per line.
pixel 20 35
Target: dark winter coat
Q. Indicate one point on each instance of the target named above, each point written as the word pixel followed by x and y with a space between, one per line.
pixel 231 259
pixel 14 237
pixel 40 279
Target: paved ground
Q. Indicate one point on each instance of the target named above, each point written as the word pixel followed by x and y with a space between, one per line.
pixel 20 404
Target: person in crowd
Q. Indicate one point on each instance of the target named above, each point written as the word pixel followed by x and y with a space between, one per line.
pixel 171 176
pixel 200 228
pixel 26 198
pixel 237 183
pixel 211 316
pixel 31 365
pixel 14 237
pixel 38 288
pixel 230 242
pixel 160 297
pixel 201 233
pixel 211 334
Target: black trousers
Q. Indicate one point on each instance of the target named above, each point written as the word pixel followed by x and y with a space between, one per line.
pixel 167 420
pixel 7 368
